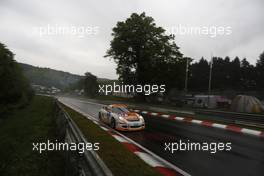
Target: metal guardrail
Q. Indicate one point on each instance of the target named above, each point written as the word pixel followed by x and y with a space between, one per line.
pixel 85 164
pixel 235 117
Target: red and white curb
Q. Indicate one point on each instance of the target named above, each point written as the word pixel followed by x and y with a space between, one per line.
pixel 148 157
pixel 161 165
pixel 205 123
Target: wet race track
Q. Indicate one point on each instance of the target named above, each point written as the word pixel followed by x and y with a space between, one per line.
pixel 245 158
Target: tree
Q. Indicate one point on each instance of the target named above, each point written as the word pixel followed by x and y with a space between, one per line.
pixel 90 85
pixel 248 76
pixel 220 73
pixel 260 72
pixel 15 90
pixel 145 54
pixel 226 74
pixel 199 75
pixel 235 73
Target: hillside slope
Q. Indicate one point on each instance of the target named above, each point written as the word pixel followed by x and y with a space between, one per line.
pixel 49 77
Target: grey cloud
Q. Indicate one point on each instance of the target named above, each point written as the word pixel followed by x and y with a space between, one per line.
pixel 78 55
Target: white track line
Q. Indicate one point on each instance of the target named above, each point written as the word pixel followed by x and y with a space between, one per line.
pixel 94 121
pixel 120 139
pixel 252 132
pixel 218 125
pixel 105 129
pixel 149 159
pixel 179 118
pixel 165 116
pixel 197 121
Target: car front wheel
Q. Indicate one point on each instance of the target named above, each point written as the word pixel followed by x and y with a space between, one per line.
pixel 100 116
pixel 113 123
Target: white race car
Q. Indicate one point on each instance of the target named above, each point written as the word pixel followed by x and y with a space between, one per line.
pixel 120 118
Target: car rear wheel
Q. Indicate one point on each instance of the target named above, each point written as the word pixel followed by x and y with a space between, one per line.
pixel 113 123
pixel 100 116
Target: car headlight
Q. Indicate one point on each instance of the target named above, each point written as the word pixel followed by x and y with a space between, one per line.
pixel 121 119
pixel 141 118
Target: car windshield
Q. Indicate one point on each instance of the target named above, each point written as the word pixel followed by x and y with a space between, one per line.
pixel 120 110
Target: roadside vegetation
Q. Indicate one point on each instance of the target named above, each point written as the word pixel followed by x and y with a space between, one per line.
pixel 115 155
pixel 15 90
pixel 22 127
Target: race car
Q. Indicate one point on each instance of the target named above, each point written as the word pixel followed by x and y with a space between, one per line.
pixel 120 118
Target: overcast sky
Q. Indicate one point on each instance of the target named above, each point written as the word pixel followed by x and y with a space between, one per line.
pixel 24 25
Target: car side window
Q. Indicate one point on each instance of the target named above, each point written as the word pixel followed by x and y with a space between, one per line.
pixel 119 110
pixel 107 108
pixel 115 110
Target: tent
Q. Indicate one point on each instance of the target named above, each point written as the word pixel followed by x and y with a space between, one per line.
pixel 210 101
pixel 249 104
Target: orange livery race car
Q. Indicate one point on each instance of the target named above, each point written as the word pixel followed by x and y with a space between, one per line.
pixel 120 118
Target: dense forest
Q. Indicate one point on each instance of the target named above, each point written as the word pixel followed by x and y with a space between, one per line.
pixel 236 74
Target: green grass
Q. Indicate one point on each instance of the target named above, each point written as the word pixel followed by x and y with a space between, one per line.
pixel 34 123
pixel 116 156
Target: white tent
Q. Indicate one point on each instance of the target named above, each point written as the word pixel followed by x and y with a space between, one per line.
pixel 243 103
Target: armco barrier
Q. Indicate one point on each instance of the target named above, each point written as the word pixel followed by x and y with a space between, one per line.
pixel 85 164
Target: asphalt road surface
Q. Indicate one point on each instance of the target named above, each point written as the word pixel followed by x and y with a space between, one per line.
pixel 245 158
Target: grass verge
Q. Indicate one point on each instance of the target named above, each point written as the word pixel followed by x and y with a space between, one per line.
pixel 34 123
pixel 115 155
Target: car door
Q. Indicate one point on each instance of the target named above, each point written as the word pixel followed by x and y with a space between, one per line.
pixel 103 113
pixel 108 115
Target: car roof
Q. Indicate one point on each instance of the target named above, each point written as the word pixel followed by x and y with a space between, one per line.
pixel 118 105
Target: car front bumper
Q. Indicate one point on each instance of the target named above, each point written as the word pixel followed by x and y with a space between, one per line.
pixel 130 126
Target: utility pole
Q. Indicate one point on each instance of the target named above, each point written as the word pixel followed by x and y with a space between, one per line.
pixel 210 75
pixel 210 80
pixel 186 75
